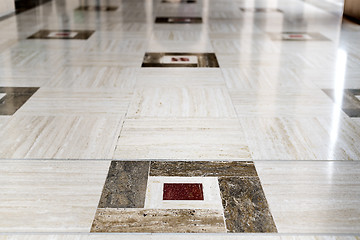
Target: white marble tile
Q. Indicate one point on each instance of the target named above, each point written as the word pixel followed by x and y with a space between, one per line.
pixel 169 139
pixel 211 193
pixel 312 197
pixel 175 102
pixel 61 101
pixel 179 77
pixel 60 137
pixel 50 196
pixel 302 139
pixel 282 103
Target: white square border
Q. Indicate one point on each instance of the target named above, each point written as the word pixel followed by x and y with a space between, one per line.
pixel 211 192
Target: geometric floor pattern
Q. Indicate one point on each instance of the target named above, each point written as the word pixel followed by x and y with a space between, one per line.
pixel 232 199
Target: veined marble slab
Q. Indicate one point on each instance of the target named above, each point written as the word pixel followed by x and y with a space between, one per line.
pixel 161 138
pixel 49 196
pixel 158 220
pixel 312 197
pixel 125 185
pixel 174 102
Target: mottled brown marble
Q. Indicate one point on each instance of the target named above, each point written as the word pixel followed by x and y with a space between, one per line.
pixel 14 99
pixel 158 221
pixel 245 205
pixel 202 168
pixel 125 185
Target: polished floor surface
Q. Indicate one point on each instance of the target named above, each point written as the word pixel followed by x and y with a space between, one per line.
pixel 220 117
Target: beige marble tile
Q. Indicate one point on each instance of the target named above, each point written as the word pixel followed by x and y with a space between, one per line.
pixel 172 102
pixel 170 35
pixel 282 103
pixel 131 46
pixel 302 139
pixel 251 44
pixel 105 60
pixel 50 196
pixel 158 138
pixel 179 77
pixel 255 78
pixel 94 77
pixel 60 137
pixel 201 46
pixel 61 101
pixel 312 197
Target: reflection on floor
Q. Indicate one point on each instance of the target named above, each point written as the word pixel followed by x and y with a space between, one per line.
pixel 229 116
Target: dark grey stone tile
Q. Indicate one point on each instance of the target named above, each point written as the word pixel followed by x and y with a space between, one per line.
pixel 202 168
pixel 154 59
pixel 125 185
pixel 350 103
pixel 80 34
pixel 179 20
pixel 245 206
pixel 14 99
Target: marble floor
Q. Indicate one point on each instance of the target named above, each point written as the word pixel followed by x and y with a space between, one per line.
pixel 196 119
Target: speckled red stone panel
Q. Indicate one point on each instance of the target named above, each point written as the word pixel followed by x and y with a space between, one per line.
pixel 183 191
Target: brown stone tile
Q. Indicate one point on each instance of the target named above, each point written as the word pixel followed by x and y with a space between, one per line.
pixel 158 221
pixel 202 168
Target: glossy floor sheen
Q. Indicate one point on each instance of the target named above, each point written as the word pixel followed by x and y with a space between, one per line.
pixel 272 135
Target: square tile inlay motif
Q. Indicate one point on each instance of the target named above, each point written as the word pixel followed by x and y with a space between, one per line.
pixel 12 98
pixel 181 20
pixel 183 191
pixel 97 8
pixel 260 10
pixel 233 199
pixel 180 60
pixel 350 102
pixel 297 36
pixel 62 34
pixel 179 1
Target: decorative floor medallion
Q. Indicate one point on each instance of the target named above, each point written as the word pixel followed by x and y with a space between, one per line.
pixel 12 98
pixel 97 8
pixel 179 1
pixel 181 20
pixel 62 34
pixel 183 197
pixel 350 100
pixel 297 36
pixel 260 10
pixel 180 60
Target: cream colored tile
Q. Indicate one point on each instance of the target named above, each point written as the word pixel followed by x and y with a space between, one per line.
pixel 174 102
pixel 282 103
pixel 130 46
pixel 179 77
pixel 255 78
pixel 312 197
pixel 159 45
pixel 105 60
pixel 49 196
pixel 60 137
pixel 60 101
pixel 3 121
pixel 253 44
pixel 182 139
pixel 302 139
pixel 210 187
pixel 170 35
pixel 94 77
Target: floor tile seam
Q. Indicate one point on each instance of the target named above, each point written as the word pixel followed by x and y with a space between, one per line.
pixel 299 234
pixel 174 160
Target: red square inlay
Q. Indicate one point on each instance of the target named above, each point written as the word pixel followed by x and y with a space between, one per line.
pixel 296 36
pixel 183 191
